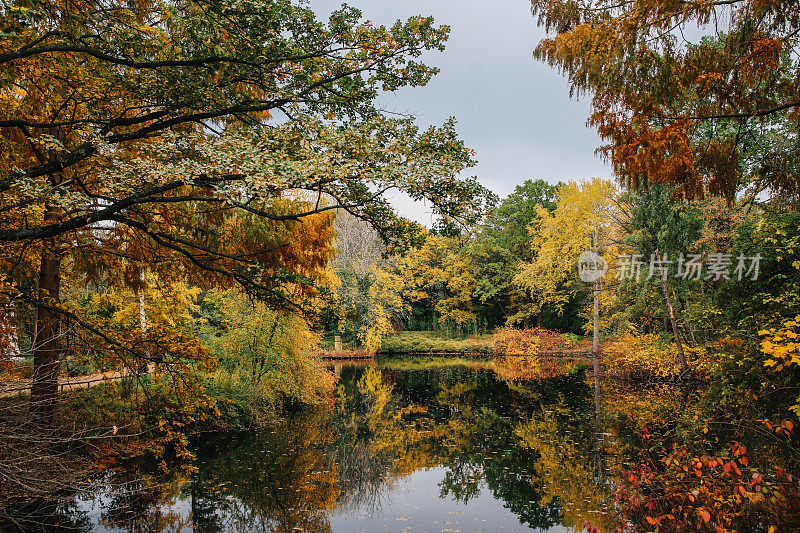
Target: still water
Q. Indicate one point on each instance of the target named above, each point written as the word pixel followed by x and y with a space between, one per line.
pixel 431 449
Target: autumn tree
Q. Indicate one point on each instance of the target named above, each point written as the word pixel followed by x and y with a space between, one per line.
pixel 359 250
pixel 661 234
pixel 143 131
pixel 439 279
pixel 584 220
pixel 701 94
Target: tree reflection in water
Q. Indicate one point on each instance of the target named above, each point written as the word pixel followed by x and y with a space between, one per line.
pixel 544 448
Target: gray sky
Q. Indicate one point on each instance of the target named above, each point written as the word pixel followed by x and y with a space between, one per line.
pixel 513 110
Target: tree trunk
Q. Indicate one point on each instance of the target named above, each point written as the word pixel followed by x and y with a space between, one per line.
pixel 142 316
pixel 596 317
pixel 44 389
pixel 143 365
pixel 672 320
pixel 596 328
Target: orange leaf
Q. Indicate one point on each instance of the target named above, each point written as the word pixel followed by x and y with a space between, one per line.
pixel 706 515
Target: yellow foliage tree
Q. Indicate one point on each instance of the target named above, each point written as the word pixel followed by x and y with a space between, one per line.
pixel 386 307
pixel 585 219
pixel 438 273
pixel 266 350
pixel 782 346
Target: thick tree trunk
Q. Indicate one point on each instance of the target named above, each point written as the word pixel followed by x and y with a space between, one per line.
pixel 671 310
pixel 44 389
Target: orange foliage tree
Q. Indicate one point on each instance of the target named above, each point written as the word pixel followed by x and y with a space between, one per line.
pixel 708 114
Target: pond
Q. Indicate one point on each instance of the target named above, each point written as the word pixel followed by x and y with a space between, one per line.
pixel 432 448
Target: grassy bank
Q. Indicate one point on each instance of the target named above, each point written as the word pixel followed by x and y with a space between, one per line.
pixel 421 342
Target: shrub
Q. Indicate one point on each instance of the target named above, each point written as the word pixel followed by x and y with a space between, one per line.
pixel 535 341
pixel 642 357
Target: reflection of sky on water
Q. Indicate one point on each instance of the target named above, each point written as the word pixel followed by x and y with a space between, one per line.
pixel 94 505
pixel 413 505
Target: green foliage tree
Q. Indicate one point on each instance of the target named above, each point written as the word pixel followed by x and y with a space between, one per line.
pixel 263 350
pixel 143 130
pixel 501 244
pixel 774 295
pixel 659 232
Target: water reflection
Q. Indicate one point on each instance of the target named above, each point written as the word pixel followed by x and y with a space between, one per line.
pixel 455 448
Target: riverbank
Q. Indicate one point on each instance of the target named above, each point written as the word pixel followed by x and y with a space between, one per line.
pixel 629 357
pixel 435 342
pixel 149 420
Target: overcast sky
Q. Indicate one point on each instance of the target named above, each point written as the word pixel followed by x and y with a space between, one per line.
pixel 513 110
